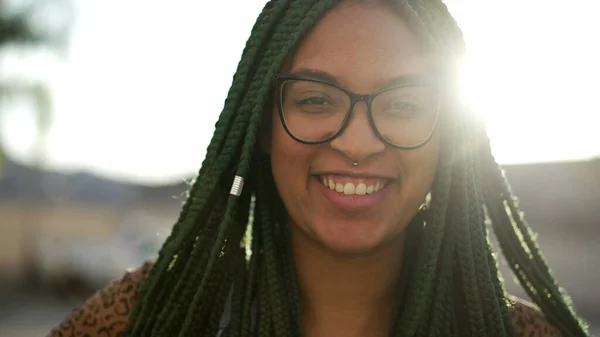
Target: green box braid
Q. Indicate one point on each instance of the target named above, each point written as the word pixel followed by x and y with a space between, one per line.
pixel 451 283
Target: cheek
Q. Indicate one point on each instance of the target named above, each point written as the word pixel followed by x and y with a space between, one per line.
pixel 420 168
pixel 425 160
pixel 285 150
pixel 290 162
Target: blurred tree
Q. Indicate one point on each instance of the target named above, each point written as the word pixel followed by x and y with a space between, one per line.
pixel 30 26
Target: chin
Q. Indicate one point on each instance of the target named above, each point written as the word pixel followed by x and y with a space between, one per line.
pixel 351 237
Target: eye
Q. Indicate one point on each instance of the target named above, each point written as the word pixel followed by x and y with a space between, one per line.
pixel 405 106
pixel 313 101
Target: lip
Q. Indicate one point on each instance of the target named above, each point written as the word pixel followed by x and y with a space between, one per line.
pixel 353 203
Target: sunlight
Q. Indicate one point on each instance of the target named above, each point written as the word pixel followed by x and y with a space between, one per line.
pixel 144 111
pixel 533 120
pixel 535 83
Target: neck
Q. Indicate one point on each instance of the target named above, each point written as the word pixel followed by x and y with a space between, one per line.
pixel 346 295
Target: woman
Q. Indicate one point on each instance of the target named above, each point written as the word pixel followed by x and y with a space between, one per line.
pixel 361 197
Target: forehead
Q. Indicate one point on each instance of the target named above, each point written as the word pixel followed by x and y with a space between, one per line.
pixel 362 47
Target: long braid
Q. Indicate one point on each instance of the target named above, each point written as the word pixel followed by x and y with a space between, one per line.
pixel 523 254
pixel 440 322
pixel 420 295
pixel 450 272
pixel 488 281
pixel 243 281
pixel 467 260
pixel 291 282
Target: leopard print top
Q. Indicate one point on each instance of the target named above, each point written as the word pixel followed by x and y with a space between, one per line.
pixel 105 314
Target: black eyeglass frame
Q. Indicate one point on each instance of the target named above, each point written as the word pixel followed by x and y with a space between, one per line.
pixel 280 79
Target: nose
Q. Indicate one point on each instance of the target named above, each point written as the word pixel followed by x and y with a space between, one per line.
pixel 358 141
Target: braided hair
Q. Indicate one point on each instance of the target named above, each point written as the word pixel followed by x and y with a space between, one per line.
pixel 233 251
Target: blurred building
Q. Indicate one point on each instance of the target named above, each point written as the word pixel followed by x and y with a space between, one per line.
pixel 58 227
pixel 55 226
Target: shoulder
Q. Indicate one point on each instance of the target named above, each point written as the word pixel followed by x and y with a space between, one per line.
pixel 106 312
pixel 528 319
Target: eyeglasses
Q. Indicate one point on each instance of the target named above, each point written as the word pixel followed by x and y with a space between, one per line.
pixel 315 111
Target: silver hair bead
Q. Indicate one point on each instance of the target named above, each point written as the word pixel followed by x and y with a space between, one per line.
pixel 237 187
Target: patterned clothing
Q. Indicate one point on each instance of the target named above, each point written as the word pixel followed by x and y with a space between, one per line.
pixel 105 314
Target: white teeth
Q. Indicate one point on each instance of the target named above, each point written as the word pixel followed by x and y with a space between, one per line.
pixel 350 188
pixel 361 189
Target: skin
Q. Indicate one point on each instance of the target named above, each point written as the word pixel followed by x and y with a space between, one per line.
pixel 348 263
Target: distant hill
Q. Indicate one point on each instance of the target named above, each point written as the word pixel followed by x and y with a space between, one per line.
pixel 23 182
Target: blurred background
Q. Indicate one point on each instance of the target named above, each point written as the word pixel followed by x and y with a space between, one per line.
pixel 106 109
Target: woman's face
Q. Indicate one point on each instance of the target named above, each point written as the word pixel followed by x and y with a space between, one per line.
pixel 362 48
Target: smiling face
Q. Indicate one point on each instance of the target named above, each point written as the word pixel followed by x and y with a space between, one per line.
pixel 332 203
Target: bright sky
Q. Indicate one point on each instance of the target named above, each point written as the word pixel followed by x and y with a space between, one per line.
pixel 143 83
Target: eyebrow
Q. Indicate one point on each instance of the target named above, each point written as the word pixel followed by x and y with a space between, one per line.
pixel 395 81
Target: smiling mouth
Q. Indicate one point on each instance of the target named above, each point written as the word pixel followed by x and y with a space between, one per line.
pixel 353 186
